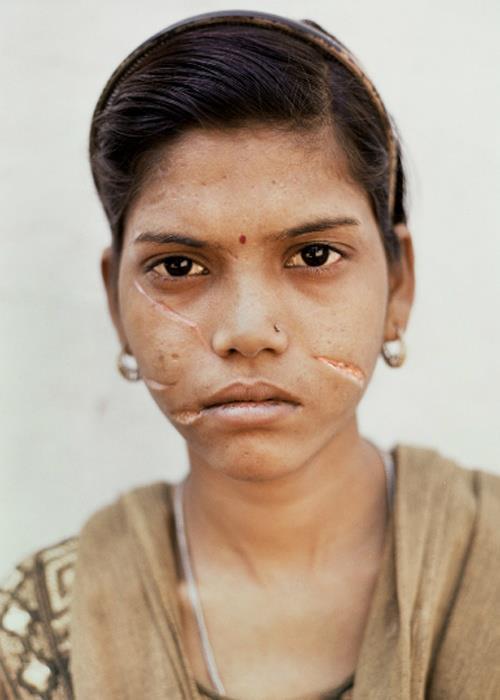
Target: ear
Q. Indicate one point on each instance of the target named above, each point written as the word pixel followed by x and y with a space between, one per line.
pixel 401 285
pixel 109 272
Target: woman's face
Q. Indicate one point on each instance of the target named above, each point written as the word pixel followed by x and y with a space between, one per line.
pixel 253 265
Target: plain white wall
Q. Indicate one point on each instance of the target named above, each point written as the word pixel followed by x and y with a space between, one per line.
pixel 74 434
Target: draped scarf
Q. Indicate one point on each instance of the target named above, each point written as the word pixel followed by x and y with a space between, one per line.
pixel 433 629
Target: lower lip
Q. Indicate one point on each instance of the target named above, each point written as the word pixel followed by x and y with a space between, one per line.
pixel 251 413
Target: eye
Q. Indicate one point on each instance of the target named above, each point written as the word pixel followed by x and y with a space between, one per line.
pixel 314 255
pixel 178 266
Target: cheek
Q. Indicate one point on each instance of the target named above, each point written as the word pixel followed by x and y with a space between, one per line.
pixel 349 371
pixel 344 331
pixel 163 341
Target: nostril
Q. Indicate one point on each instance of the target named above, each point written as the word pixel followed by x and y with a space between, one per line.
pixel 248 336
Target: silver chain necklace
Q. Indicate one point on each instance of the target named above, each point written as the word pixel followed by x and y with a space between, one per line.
pixel 192 589
pixel 189 577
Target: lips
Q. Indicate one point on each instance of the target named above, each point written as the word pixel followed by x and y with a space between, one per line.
pixel 254 392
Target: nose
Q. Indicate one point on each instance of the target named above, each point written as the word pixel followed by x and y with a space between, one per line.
pixel 249 323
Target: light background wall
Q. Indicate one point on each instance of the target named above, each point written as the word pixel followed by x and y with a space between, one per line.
pixel 74 434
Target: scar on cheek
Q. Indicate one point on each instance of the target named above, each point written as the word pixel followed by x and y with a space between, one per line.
pixel 347 369
pixel 158 386
pixel 171 314
pixel 242 239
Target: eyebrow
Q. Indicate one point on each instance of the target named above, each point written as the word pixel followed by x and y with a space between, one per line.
pixel 162 238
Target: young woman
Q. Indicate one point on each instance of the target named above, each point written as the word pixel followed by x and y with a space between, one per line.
pixel 260 263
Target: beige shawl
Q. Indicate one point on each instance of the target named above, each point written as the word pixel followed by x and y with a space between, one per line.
pixel 434 625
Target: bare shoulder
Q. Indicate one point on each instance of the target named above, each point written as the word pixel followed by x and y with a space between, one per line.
pixel 34 625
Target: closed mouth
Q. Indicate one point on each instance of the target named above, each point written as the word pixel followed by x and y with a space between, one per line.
pixel 228 404
pixel 241 412
pixel 255 393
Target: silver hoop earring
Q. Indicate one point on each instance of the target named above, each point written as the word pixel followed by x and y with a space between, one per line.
pixel 127 366
pixel 394 351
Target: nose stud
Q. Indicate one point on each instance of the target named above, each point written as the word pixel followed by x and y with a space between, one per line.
pixel 276 328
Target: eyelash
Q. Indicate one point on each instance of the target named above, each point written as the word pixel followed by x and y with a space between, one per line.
pixel 314 269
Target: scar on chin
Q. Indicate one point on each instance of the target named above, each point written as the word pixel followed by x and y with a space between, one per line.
pixel 347 369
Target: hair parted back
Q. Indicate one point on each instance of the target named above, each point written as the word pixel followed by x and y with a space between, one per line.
pixel 228 74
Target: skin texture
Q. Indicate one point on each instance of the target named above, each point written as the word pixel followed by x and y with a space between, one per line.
pixel 286 521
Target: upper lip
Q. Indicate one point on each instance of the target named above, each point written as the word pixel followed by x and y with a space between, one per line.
pixel 249 391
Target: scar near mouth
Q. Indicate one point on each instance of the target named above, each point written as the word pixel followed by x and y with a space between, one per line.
pixel 186 417
pixel 348 369
pixel 171 313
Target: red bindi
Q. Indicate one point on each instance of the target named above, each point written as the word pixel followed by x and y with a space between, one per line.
pixel 242 239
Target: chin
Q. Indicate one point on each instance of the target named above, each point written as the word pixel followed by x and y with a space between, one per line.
pixel 255 472
pixel 259 459
pixel 265 454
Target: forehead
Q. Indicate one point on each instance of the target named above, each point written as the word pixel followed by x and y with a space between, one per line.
pixel 245 177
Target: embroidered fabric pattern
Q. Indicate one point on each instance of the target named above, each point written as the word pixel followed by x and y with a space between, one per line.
pixel 34 626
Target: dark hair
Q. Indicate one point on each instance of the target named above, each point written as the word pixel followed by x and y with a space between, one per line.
pixel 228 76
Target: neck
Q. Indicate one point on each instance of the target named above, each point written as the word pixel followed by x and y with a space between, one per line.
pixel 328 510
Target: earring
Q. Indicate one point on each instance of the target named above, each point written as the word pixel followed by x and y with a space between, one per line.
pixel 394 357
pixel 127 366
